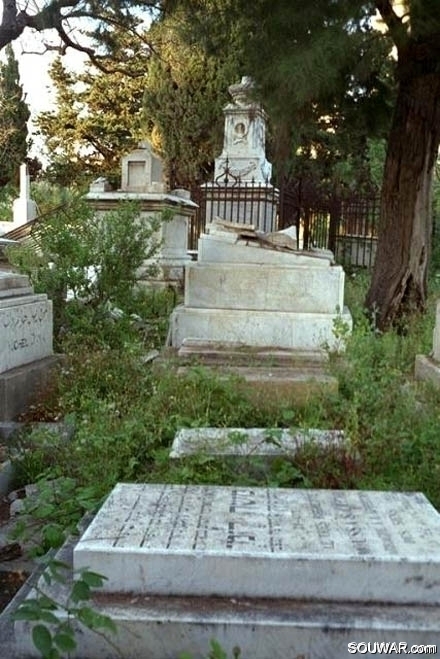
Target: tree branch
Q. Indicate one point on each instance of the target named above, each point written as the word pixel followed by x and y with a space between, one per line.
pixel 394 23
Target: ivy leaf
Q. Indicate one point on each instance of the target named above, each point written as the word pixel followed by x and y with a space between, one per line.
pixel 65 641
pixel 80 591
pixel 93 579
pixel 42 639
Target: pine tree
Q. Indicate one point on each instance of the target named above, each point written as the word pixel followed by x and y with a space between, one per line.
pixel 14 114
pixel 186 90
pixel 97 118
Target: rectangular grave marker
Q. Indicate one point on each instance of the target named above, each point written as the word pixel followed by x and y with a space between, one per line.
pixel 266 542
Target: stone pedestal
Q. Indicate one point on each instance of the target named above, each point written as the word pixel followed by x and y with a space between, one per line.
pixel 172 255
pixel 26 354
pixel 274 572
pixel 260 297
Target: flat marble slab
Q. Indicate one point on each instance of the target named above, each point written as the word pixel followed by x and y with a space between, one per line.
pixel 266 542
pixel 247 442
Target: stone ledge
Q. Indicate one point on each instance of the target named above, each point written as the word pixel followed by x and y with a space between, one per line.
pixel 20 386
pixel 426 368
pixel 247 442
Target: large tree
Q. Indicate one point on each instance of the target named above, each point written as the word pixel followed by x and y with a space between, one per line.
pixel 400 274
pixel 185 92
pixel 93 123
pixel 307 55
pixel 14 114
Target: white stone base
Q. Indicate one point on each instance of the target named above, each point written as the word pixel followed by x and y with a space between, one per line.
pixel 248 286
pixel 25 330
pixel 266 543
pixel 164 628
pixel 296 331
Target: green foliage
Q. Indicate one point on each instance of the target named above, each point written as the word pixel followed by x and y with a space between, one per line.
pixel 53 512
pixel 7 195
pixel 55 623
pixel 216 652
pixel 93 122
pixel 14 114
pixel 96 259
pixel 185 92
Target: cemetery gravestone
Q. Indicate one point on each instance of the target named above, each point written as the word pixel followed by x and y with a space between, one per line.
pixel 26 353
pixel 274 572
pixel 428 367
pixel 266 542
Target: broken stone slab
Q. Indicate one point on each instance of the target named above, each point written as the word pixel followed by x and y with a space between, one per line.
pixel 252 441
pixel 248 286
pixel 258 542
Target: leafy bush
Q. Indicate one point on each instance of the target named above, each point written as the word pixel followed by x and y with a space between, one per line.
pixel 75 255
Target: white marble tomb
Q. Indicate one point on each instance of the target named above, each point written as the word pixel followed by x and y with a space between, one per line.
pixel 266 542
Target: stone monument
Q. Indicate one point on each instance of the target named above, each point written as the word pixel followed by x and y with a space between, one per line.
pixel 274 572
pixel 26 353
pixel 143 181
pixel 24 208
pixel 245 289
pixel 241 191
pixel 428 367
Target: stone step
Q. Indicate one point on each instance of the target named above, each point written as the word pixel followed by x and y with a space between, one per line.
pixel 166 627
pixel 235 353
pixel 238 542
pixel 271 386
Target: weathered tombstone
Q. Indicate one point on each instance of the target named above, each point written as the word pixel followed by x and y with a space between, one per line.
pixel 26 353
pixel 272 572
pixel 266 542
pixel 143 181
pixel 142 170
pixel 243 288
pixel 428 367
pixel 25 209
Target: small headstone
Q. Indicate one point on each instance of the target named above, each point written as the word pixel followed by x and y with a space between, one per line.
pixel 142 171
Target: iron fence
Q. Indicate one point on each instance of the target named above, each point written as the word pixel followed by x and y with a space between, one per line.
pixel 344 222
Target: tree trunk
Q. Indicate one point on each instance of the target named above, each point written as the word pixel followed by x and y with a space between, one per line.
pixel 399 280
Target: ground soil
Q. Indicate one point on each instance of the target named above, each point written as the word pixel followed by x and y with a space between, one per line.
pixel 12 574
